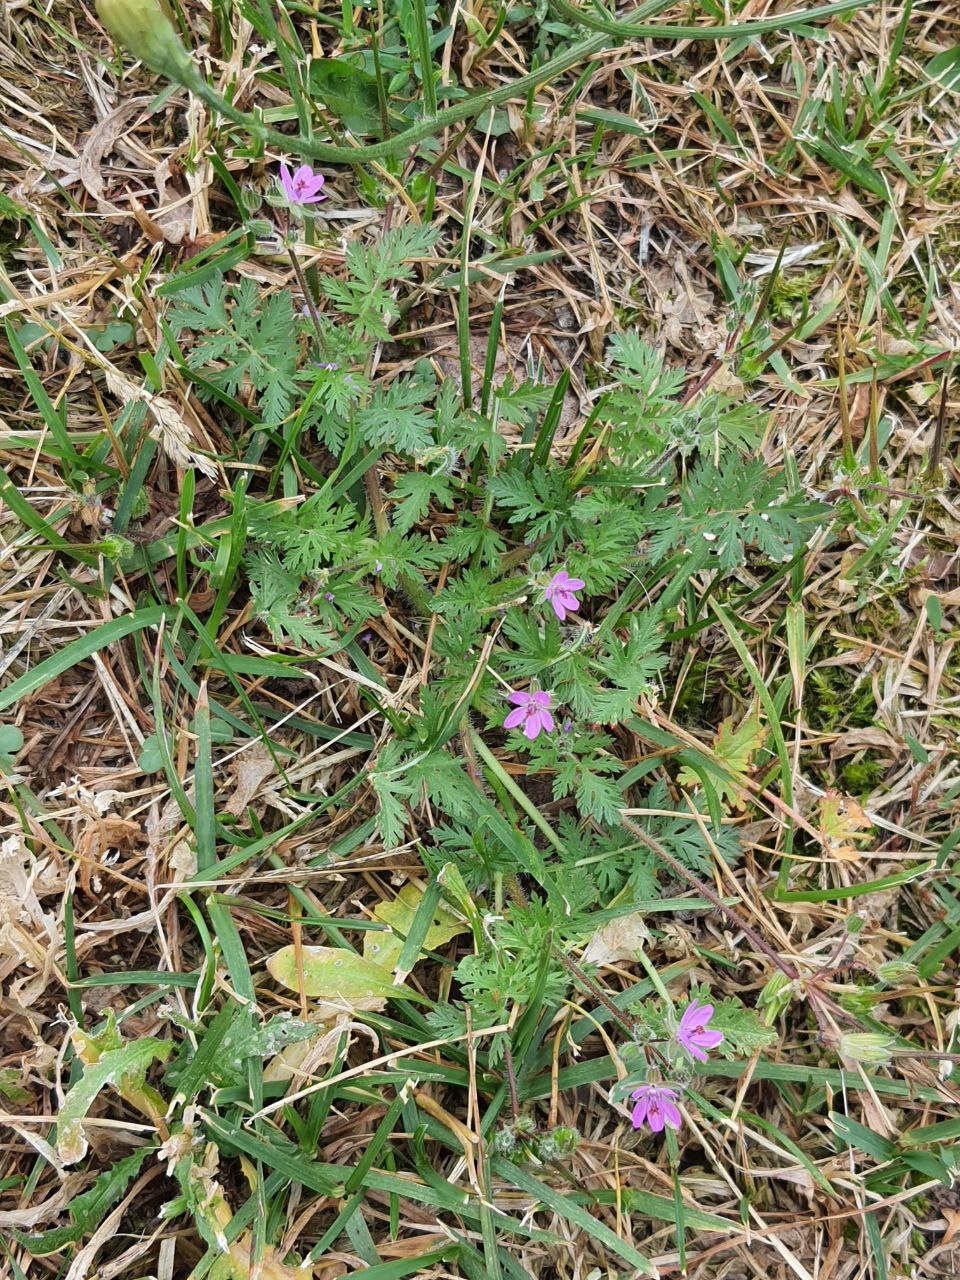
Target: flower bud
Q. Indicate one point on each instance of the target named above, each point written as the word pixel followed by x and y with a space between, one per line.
pixel 894 971
pixel 865 1046
pixel 144 30
pixel 776 996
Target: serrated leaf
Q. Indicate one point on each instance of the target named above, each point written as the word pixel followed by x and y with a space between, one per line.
pixel 339 980
pixel 384 948
pixel 743 1031
pixel 88 1210
pixel 734 748
pixel 125 1067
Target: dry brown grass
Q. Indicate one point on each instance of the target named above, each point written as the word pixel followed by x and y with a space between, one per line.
pixel 119 183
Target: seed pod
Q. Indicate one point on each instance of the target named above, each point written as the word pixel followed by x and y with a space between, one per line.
pixel 865 1046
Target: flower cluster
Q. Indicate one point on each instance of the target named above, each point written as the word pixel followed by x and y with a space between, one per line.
pixel 533 709
pixel 656 1102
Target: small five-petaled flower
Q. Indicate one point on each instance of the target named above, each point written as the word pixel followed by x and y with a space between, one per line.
pixel 559 593
pixel 303 186
pixel 656 1106
pixel 693 1032
pixel 532 710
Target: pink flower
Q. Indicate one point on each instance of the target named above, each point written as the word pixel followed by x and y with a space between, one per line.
pixel 532 711
pixel 657 1106
pixel 559 593
pixel 693 1033
pixel 302 186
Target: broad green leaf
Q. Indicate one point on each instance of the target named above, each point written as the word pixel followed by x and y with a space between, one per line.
pixel 384 948
pixel 339 980
pixel 349 92
pixel 151 755
pixel 734 748
pixel 945 68
pixel 125 1068
pixel 11 741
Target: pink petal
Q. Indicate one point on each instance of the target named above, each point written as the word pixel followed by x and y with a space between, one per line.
pixel 570 602
pixel 515 718
pixel 557 606
pixel 695 1015
pixel 304 174
pixel 693 1048
pixel 655 1118
pixel 710 1039
pixel 671 1113
pixel 541 698
pixel 532 727
pixel 640 1112
pixel 519 699
pixel 574 584
pixel 546 719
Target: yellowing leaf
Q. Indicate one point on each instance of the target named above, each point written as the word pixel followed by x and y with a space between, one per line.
pixel 339 980
pixel 735 749
pixel 384 947
pixel 124 1067
pixel 842 823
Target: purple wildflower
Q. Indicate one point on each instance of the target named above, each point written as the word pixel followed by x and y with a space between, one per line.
pixel 559 593
pixel 656 1105
pixel 302 186
pixel 693 1032
pixel 532 710
pixel 328 595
